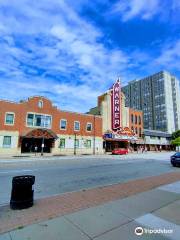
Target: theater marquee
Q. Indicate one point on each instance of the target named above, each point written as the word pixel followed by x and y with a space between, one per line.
pixel 116 103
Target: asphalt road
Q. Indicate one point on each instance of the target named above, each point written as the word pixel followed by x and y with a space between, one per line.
pixel 60 175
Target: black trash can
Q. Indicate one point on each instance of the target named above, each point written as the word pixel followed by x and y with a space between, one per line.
pixel 22 192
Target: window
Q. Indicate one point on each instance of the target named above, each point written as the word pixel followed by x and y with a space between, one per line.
pixel 63 124
pixel 136 130
pixel 62 143
pixel 139 120
pixel 7 141
pixel 40 104
pixel 76 143
pixel 135 119
pixel 88 143
pixel 30 119
pixel 89 127
pixel 153 137
pixel 38 120
pixel 140 132
pixel 132 118
pixel 76 126
pixel 9 118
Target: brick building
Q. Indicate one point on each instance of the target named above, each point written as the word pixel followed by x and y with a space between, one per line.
pixel 37 125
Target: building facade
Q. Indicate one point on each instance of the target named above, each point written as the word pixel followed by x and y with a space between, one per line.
pixel 122 126
pixel 37 125
pixel 157 140
pixel 158 96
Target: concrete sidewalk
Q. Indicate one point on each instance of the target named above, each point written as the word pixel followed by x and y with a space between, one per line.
pixel 33 157
pixel 108 213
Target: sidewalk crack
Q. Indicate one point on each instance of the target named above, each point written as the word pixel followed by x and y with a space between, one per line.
pixel 77 226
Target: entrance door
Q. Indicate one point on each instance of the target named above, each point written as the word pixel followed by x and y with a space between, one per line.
pixel 28 145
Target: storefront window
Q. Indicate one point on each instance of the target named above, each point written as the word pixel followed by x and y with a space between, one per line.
pixel 77 143
pixel 62 143
pixel 7 142
pixel 88 143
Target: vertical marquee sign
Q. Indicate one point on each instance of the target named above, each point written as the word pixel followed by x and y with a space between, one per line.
pixel 116 106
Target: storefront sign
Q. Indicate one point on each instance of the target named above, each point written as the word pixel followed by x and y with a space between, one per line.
pixel 116 106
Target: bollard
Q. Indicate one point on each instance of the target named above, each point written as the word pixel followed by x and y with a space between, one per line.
pixel 22 192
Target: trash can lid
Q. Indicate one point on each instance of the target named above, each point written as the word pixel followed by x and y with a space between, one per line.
pixel 24 179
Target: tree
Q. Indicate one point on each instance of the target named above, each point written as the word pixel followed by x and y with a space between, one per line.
pixel 176 141
pixel 175 134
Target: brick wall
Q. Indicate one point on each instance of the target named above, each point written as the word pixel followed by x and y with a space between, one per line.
pixel 31 105
pixel 136 126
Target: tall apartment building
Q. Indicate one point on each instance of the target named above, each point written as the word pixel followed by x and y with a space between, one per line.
pixel 158 96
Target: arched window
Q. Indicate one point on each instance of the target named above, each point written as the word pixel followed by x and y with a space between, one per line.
pixel 135 119
pixel 136 131
pixel 40 104
pixel 139 120
pixel 132 118
pixel 140 132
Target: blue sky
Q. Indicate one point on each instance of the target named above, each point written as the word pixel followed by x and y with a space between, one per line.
pixel 72 51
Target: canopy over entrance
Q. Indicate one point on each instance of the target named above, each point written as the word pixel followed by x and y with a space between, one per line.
pixel 36 139
pixel 40 133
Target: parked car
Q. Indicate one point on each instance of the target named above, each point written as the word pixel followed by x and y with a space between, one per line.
pixel 175 159
pixel 120 151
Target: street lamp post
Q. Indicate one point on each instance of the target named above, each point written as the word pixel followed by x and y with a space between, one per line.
pixel 74 143
pixel 42 146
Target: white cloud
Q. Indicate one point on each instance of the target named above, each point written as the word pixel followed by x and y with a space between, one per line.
pixel 48 49
pixel 137 8
pixel 169 56
pixel 51 38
